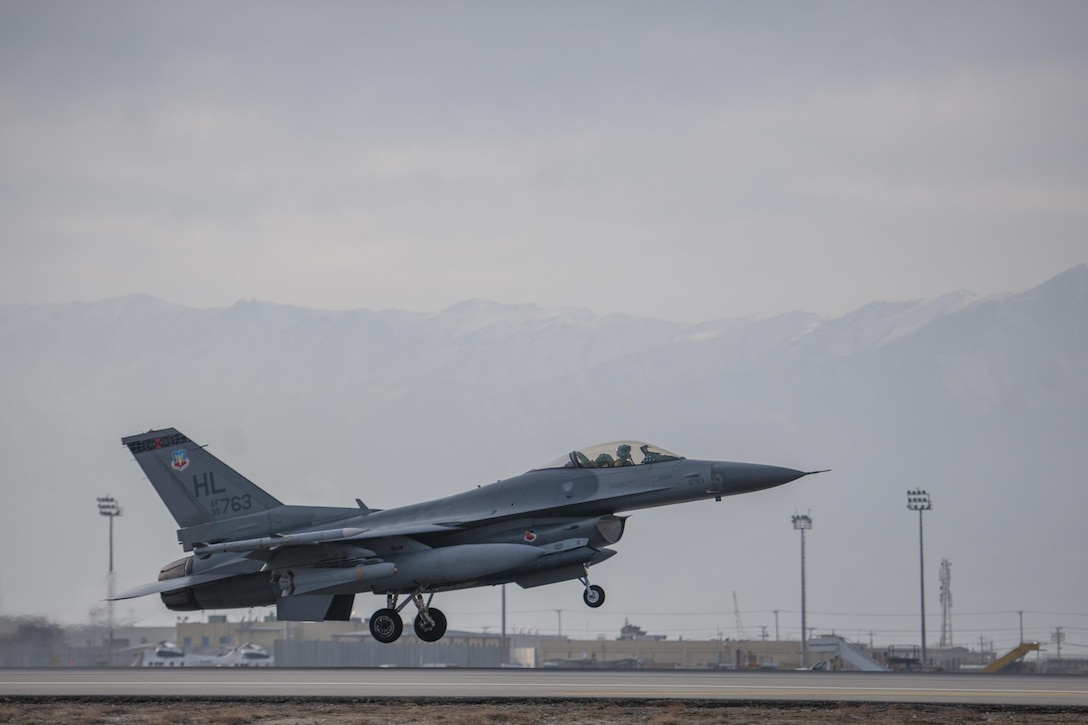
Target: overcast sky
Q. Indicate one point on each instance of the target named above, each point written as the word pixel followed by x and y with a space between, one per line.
pixel 685 160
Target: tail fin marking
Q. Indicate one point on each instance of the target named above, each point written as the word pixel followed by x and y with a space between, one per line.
pixel 196 486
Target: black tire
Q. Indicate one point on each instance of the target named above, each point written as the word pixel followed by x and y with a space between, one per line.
pixel 430 633
pixel 593 596
pixel 386 625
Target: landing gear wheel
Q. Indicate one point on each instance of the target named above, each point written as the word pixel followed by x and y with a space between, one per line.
pixel 386 625
pixel 593 596
pixel 430 632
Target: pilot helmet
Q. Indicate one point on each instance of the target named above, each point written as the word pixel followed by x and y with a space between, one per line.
pixel 624 451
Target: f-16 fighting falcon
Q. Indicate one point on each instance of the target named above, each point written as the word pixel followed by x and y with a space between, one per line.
pixel 545 526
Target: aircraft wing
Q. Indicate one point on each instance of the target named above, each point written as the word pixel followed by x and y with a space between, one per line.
pixel 279 541
pixel 407 530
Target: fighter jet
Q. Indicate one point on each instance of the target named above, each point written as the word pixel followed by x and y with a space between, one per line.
pixel 545 526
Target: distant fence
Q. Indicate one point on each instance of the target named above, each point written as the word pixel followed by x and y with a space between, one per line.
pixel 310 653
pixel 289 653
pixel 60 655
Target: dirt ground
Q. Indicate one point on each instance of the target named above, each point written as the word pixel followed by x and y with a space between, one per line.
pixel 291 711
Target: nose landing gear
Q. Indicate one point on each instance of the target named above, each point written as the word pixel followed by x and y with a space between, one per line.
pixel 593 595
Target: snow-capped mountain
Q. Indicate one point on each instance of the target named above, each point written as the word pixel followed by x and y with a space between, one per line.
pixel 983 400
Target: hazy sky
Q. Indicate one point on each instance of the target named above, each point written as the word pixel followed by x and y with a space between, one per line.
pixel 687 160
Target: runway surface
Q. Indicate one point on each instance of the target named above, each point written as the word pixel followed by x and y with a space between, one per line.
pixel 549 684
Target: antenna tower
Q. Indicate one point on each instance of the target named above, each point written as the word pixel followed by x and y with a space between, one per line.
pixel 736 611
pixel 946 603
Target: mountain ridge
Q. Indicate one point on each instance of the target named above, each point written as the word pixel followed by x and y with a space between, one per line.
pixel 393 406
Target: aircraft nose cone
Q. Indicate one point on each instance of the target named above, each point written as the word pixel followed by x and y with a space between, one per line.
pixel 746 477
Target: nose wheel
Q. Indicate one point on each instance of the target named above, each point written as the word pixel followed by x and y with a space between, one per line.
pixel 593 595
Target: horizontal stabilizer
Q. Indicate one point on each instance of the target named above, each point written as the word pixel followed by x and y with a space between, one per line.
pixel 169 585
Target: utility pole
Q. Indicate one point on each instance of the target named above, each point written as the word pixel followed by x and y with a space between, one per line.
pixel 1057 638
pixel 1021 613
pixel 918 500
pixel 505 649
pixel 107 506
pixel 803 523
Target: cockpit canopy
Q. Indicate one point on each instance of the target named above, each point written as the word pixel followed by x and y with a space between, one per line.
pixel 610 455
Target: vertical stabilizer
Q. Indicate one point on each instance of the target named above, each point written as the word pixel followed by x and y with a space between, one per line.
pixel 196 486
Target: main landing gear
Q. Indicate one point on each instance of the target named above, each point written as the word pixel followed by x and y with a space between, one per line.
pixel 593 595
pixel 386 625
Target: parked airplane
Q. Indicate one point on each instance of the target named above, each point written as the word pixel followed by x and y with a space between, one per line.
pixel 168 654
pixel 545 526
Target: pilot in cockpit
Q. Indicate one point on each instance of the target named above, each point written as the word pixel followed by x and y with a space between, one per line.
pixel 623 456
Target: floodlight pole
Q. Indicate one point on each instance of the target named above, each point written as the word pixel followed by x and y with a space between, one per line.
pixel 107 506
pixel 803 523
pixel 919 500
